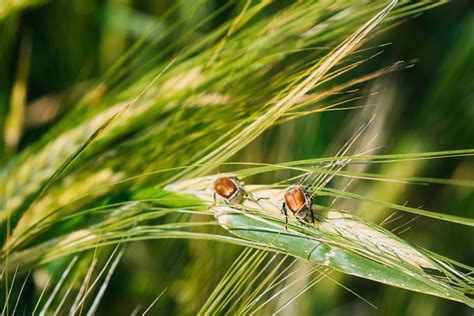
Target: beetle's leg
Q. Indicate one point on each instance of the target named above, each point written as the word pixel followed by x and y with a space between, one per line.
pixel 309 205
pixel 302 222
pixel 283 210
pixel 215 201
pixel 251 198
pixel 247 196
pixel 260 198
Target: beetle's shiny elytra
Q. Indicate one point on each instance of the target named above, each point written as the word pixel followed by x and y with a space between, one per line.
pixel 228 189
pixel 298 202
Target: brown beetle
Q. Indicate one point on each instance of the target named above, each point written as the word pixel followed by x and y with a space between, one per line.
pixel 298 202
pixel 228 189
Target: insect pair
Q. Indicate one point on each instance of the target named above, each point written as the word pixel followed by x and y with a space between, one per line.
pixel 296 199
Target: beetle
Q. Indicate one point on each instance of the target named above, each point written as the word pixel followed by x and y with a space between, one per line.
pixel 229 189
pixel 298 202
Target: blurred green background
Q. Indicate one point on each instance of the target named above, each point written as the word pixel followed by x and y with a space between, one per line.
pixel 54 51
